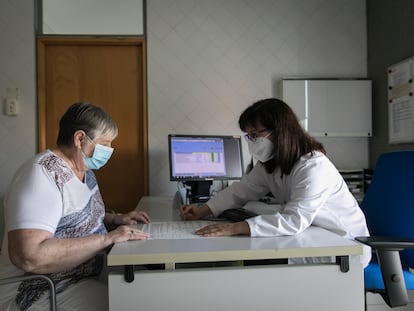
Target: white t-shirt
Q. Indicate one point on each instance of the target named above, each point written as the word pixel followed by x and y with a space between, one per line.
pixel 45 194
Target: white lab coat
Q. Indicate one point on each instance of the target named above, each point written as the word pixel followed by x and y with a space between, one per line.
pixel 314 193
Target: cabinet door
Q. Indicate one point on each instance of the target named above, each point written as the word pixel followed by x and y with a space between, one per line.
pixel 331 107
pixel 294 93
pixel 339 107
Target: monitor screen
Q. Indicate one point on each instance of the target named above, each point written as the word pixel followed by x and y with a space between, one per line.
pixel 205 157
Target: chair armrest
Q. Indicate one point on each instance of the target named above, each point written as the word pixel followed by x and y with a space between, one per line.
pixel 387 249
pixel 52 289
pixel 387 243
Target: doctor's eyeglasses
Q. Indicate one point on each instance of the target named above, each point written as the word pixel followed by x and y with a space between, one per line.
pixel 253 136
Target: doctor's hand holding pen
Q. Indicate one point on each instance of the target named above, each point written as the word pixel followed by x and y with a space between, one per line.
pixel 194 211
pixel 198 211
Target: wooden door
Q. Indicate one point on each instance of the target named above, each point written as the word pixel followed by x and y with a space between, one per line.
pixel 109 72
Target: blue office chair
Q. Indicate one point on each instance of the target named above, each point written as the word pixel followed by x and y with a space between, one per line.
pixel 389 209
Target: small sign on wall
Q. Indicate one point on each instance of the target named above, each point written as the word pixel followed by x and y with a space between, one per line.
pixel 401 102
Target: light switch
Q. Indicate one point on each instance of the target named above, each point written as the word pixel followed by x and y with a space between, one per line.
pixel 11 106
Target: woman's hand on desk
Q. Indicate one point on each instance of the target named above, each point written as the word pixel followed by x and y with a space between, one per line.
pixel 226 229
pixel 125 233
pixel 194 211
pixel 131 218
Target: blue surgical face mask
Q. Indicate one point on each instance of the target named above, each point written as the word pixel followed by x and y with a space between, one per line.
pixel 100 156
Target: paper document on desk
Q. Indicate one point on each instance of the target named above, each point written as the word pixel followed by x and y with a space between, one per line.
pixel 174 229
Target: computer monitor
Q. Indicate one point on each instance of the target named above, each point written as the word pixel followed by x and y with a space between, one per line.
pixel 197 160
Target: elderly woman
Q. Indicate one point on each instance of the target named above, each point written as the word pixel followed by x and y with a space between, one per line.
pixel 56 220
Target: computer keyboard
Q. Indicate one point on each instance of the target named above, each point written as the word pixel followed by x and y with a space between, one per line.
pixel 237 214
pixel 174 229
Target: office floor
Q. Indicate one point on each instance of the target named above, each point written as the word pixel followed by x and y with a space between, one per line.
pixel 376 303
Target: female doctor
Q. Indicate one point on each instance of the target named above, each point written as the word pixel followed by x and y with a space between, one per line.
pixel 293 167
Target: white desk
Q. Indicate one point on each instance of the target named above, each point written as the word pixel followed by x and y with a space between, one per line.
pixel 234 287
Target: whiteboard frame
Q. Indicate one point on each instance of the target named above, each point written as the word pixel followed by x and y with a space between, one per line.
pixel 401 102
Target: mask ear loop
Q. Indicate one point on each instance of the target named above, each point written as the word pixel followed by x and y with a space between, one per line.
pixel 90 139
pixel 268 134
pixel 82 155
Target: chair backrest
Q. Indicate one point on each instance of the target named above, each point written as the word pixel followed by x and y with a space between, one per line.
pixel 389 202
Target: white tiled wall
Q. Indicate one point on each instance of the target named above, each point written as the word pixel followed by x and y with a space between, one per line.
pixel 207 60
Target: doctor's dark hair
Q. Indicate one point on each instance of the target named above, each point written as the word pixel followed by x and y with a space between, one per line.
pixel 91 119
pixel 289 138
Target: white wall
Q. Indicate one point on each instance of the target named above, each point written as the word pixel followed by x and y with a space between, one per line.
pixel 207 60
pixel 17 70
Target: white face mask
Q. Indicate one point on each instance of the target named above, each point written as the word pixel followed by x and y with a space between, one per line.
pixel 261 149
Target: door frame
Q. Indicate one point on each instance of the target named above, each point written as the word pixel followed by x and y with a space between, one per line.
pixel 41 44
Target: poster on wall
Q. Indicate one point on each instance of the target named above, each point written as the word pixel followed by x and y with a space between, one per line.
pixel 401 102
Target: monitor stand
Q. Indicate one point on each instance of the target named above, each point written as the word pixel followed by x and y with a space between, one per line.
pixel 200 191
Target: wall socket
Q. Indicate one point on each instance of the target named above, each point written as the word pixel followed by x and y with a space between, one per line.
pixel 11 106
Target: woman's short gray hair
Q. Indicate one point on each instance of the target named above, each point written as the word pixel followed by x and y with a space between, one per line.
pixel 90 118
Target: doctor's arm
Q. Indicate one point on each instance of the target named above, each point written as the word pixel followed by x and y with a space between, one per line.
pixel 309 186
pixel 251 187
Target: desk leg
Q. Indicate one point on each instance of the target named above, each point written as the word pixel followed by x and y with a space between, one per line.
pixel 129 273
pixel 343 262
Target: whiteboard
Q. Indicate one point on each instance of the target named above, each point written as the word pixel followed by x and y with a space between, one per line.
pixel 401 102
